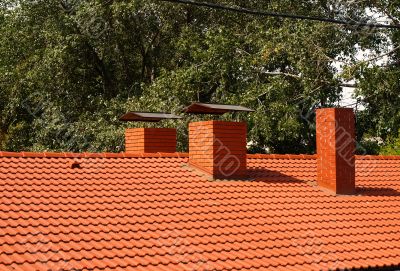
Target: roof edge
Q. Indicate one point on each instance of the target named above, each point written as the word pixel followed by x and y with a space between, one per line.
pixel 378 157
pixel 314 156
pixel 175 155
pixel 92 155
pixel 281 156
pixel 139 155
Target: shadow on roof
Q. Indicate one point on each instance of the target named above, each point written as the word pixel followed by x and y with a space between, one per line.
pixel 377 191
pixel 273 176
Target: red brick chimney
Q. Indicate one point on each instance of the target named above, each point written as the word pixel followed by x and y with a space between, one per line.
pixel 336 149
pixel 219 148
pixel 150 140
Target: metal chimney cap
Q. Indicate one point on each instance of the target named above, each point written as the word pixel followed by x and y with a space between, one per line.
pixel 214 109
pixel 147 116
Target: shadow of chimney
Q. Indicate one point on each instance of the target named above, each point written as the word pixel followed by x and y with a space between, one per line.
pixel 377 191
pixel 273 176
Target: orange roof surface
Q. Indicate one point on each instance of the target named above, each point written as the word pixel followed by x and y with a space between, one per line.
pixel 154 212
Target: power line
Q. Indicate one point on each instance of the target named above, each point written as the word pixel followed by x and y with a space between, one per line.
pixel 280 15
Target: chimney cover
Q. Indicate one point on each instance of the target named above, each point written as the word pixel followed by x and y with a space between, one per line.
pixel 214 109
pixel 147 116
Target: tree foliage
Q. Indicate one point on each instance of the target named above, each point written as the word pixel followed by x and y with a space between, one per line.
pixel 68 69
pixel 378 83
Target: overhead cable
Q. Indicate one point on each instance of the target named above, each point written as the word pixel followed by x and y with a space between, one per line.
pixel 281 15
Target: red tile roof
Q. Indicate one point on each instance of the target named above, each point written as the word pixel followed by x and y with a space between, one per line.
pixel 154 212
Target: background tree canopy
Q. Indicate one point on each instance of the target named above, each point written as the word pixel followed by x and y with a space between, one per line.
pixel 70 68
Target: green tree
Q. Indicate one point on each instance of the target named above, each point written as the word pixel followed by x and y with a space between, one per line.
pixel 68 69
pixel 378 83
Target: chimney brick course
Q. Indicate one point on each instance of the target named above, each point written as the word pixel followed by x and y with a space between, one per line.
pixel 336 150
pixel 150 140
pixel 219 148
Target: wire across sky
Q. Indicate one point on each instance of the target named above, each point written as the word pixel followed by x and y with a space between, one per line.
pixel 281 15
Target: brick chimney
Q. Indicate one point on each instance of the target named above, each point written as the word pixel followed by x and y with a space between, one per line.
pixel 336 149
pixel 219 148
pixel 150 140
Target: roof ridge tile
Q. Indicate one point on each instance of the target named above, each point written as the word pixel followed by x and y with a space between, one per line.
pixel 91 155
pixel 378 157
pixel 282 156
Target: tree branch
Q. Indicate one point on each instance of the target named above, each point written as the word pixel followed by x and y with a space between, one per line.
pixel 300 77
